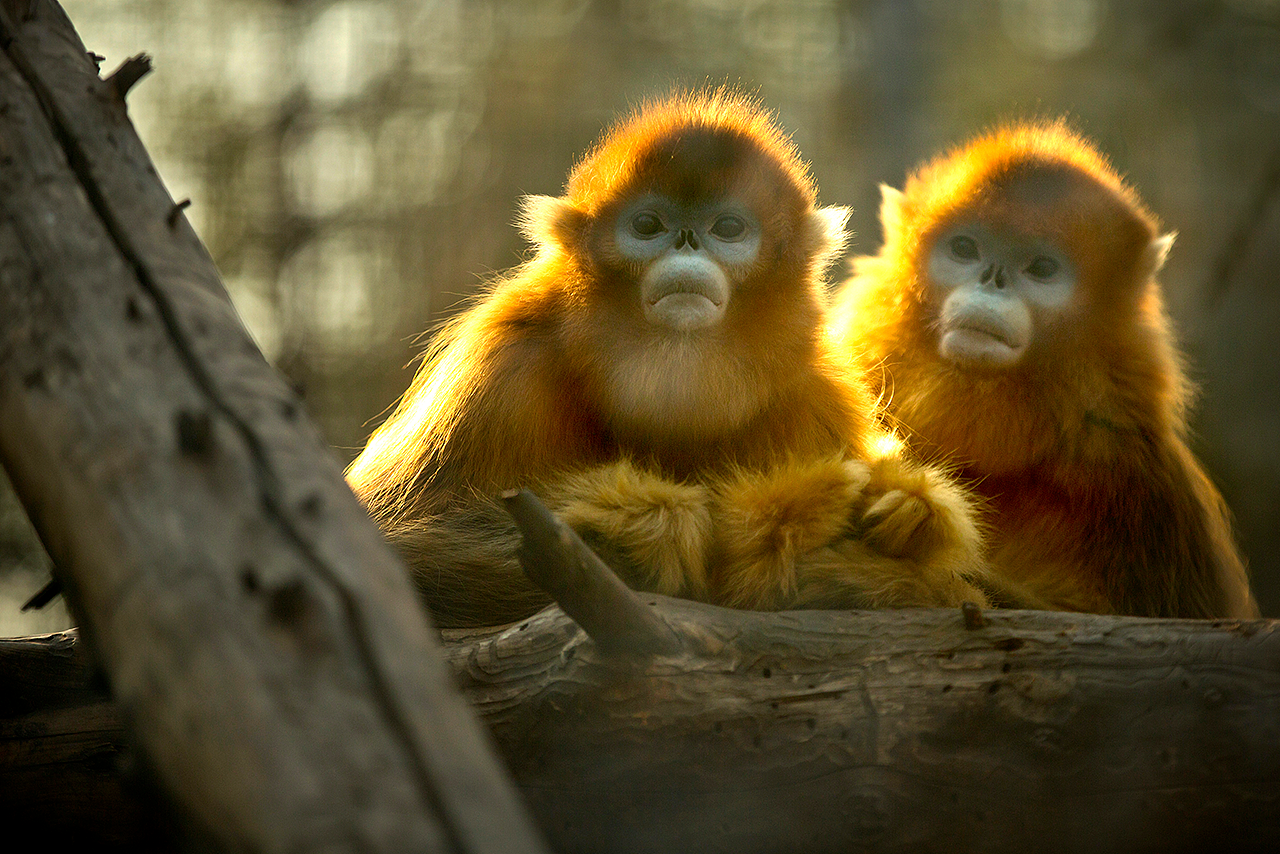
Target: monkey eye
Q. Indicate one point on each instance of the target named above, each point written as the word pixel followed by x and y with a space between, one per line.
pixel 964 248
pixel 1042 267
pixel 729 227
pixel 647 224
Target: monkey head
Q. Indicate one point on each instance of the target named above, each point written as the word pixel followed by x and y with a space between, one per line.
pixel 1023 243
pixel 691 241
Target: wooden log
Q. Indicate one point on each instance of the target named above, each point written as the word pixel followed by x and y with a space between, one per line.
pixel 895 731
pixel 65 763
pixel 862 731
pixel 261 640
pixel 908 730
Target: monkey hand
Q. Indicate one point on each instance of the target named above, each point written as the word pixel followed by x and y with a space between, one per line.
pixel 843 533
pixel 914 542
pixel 913 511
pixel 653 531
pixel 765 521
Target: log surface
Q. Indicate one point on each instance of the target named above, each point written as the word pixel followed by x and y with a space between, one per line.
pixel 892 731
pixel 857 731
pixel 262 641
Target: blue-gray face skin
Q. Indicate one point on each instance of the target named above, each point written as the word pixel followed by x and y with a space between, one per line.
pixel 998 291
pixel 692 255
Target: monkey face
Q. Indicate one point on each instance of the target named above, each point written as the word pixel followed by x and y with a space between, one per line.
pixel 692 248
pixel 997 291
pixel 691 255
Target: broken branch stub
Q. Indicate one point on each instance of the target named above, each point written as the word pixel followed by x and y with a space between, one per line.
pixel 558 561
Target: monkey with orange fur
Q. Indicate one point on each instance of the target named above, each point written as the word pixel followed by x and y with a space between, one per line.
pixel 1014 322
pixel 659 374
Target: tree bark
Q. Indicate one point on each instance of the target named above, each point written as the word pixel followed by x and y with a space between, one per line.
pixel 260 639
pixel 715 730
pixel 829 731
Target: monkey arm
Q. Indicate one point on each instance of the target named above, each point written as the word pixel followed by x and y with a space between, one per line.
pixel 765 520
pixel 1177 557
pixel 653 531
pixel 522 419
pixel 914 511
pixel 1139 530
pixel 843 533
pixel 490 410
pixel 1211 559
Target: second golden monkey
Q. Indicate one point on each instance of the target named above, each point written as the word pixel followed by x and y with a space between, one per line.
pixel 1014 322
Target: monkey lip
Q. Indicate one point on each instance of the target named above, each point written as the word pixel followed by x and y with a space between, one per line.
pixel 981 341
pixel 685 303
pixel 687 291
pixel 683 311
pixel 986 327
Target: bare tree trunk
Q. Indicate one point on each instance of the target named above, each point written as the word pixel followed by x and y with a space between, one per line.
pixel 259 637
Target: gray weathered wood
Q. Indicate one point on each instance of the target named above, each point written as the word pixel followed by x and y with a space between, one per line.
pixel 893 731
pixel 262 641
pixel 861 731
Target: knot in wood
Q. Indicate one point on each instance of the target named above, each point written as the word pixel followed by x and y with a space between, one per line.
pixel 195 432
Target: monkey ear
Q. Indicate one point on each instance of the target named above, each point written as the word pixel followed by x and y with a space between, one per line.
pixel 830 235
pixel 1157 252
pixel 548 221
pixel 891 203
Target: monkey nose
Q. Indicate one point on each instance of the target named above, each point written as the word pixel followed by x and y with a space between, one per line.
pixel 686 236
pixel 995 272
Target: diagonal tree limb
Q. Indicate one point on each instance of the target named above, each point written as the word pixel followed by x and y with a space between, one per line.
pixel 559 562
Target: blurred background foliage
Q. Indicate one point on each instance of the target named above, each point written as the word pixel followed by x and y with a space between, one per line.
pixel 355 165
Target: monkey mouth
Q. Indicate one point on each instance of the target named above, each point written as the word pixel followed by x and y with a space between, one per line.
pixel 686 290
pixel 981 341
pixel 685 304
pixel 985 327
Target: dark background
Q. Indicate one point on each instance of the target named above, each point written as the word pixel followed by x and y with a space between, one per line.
pixel 355 165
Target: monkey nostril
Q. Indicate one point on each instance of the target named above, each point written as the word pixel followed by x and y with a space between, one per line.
pixel 1000 278
pixel 986 274
pixel 687 237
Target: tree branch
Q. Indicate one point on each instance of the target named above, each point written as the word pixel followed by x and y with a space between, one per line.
pixel 557 560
